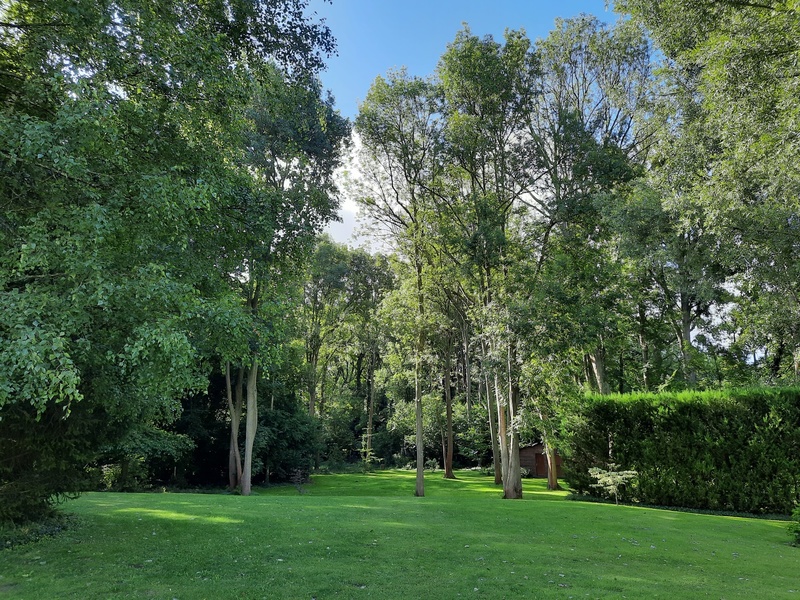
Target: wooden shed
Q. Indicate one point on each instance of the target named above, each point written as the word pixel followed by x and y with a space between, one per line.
pixel 534 459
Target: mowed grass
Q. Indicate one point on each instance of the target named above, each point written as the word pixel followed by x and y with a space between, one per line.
pixel 367 536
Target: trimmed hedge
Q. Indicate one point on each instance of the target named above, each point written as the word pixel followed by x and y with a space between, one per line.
pixel 732 450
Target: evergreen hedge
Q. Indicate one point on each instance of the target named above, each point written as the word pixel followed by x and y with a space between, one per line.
pixel 732 450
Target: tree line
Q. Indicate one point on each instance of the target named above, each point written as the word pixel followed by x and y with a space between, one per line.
pixel 611 208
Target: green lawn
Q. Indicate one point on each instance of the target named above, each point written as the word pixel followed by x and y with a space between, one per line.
pixel 366 536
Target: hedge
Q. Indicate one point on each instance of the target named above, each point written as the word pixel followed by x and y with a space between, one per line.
pixel 731 450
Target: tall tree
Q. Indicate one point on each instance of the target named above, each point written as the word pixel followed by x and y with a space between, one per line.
pixel 121 147
pixel 741 57
pixel 489 90
pixel 399 125
pixel 293 147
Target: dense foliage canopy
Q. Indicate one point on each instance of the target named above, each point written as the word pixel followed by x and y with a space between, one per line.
pixel 612 208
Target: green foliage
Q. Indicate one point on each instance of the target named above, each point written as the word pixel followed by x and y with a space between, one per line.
pixel 42 456
pixel 610 481
pixel 725 450
pixel 794 526
pixel 289 441
pixel 49 525
pixel 431 465
pixel 123 171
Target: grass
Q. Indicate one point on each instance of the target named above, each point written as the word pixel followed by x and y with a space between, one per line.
pixel 366 536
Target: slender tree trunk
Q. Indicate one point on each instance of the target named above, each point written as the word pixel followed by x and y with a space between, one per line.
pixel 420 481
pixel 371 407
pixel 502 431
pixel 312 390
pixel 443 441
pixel 512 480
pixel 251 423
pixel 552 467
pixel 645 347
pixel 448 400
pixel 686 341
pixel 598 362
pixel 467 372
pixel 490 409
pixel 359 368
pixel 235 410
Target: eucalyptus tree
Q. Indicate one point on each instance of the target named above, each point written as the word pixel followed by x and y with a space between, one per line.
pixel 399 126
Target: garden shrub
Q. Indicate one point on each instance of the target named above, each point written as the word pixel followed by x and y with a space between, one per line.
pixel 735 450
pixel 42 457
pixel 794 526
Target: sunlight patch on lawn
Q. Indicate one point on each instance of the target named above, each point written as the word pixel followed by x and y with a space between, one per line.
pixel 176 516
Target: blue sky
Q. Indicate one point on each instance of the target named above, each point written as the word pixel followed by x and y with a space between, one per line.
pixel 374 36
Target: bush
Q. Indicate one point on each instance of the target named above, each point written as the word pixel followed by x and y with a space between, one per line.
pixel 42 458
pixel 50 525
pixel 611 481
pixel 794 526
pixel 725 450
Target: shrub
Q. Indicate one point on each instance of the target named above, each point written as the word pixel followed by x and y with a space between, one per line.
pixel 723 450
pixel 794 526
pixel 50 525
pixel 42 457
pixel 610 481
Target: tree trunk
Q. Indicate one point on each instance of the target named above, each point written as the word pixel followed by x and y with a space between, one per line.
pixel 498 472
pixel 359 368
pixel 775 367
pixel 686 341
pixel 502 433
pixel 371 407
pixel 598 362
pixel 552 467
pixel 420 481
pixel 467 374
pixel 235 410
pixel 645 347
pixel 448 400
pixel 251 424
pixel 512 480
pixel 312 390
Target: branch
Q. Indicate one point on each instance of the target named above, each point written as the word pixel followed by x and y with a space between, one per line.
pixel 30 25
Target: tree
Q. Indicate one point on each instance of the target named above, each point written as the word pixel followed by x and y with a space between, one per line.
pixel 489 90
pixel 121 148
pixel 325 305
pixel 293 148
pixel 398 124
pixel 740 57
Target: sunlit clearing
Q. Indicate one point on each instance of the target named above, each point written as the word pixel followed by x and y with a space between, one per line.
pixel 176 516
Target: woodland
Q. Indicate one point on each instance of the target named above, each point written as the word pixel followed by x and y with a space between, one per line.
pixel 607 215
